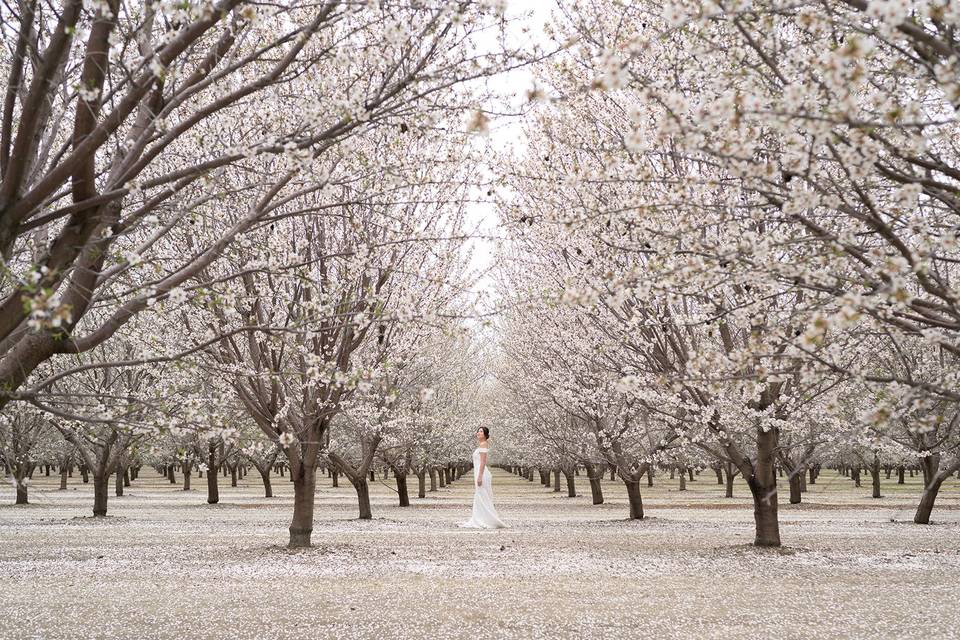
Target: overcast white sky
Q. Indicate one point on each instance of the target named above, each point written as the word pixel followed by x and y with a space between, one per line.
pixel 505 131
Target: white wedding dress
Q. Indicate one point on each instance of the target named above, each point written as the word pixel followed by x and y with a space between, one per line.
pixel 484 513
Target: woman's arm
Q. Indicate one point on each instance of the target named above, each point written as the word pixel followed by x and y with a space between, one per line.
pixel 483 465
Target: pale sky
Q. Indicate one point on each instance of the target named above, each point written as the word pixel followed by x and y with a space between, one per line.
pixel 505 132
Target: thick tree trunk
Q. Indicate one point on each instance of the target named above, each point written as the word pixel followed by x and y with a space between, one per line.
pixel 433 479
pixel 813 475
pixel 304 492
pixel 100 482
pixel 402 492
pixel 233 476
pixel 443 478
pixel 170 475
pixel 613 472
pixel 63 478
pixel 650 476
pixel 556 480
pixel 186 477
pixel 85 474
pixel 363 497
pixel 900 472
pixel 719 473
pixel 119 488
pixel 763 488
pixel 213 488
pixel 690 471
pixel 22 492
pixel 335 479
pixel 635 499
pixel 683 480
pixel 856 477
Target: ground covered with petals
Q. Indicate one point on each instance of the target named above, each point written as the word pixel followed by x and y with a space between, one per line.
pixel 167 565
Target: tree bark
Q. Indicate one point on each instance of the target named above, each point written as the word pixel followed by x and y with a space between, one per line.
pixel 433 479
pixel 422 484
pixel 63 478
pixel 795 495
pixel 875 475
pixel 267 486
pixel 683 480
pixel 443 478
pixel 170 475
pixel 213 478
pixel 402 493
pixel 900 472
pixel 728 493
pixel 571 485
pixel 363 497
pixel 304 490
pixel 100 482
pixel 21 492
pixel 119 488
pixel 233 476
pixel 186 477
pixel 635 499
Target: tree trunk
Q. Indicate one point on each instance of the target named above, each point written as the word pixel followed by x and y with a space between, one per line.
pixel 422 484
pixel 635 499
pixel 85 474
pixel 170 476
pixel 571 485
pixel 100 482
pixel 690 471
pixel 233 476
pixel 927 499
pixel 683 480
pixel 595 476
pixel 613 472
pixel 119 488
pixel 719 475
pixel 21 492
pixel 363 497
pixel 875 475
pixel 304 492
pixel 556 480
pixel 795 487
pixel 267 486
pixel 900 471
pixel 186 477
pixel 433 479
pixel 213 478
pixel 402 493
pixel 856 477
pixel 730 475
pixel 763 487
pixel 443 478
pixel 813 475
pixel 650 476
pixel 63 478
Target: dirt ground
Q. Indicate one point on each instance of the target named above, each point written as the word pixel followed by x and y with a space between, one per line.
pixel 167 565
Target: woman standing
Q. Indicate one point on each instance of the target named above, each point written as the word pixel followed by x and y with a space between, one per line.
pixel 484 513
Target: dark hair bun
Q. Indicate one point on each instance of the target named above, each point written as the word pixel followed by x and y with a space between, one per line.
pixel 486 432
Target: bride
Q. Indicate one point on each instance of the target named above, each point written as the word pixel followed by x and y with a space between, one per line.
pixel 484 513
